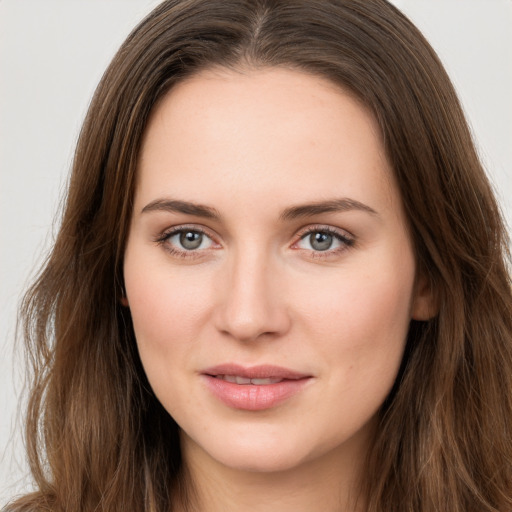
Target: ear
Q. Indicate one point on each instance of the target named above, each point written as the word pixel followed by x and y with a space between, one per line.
pixel 424 305
pixel 123 299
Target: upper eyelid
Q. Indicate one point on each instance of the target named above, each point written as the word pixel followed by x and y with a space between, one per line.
pixel 343 233
pixel 187 227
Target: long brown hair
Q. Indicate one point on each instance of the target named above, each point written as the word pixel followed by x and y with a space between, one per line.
pixel 97 437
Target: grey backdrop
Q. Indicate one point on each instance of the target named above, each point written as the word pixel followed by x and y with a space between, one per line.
pixel 52 54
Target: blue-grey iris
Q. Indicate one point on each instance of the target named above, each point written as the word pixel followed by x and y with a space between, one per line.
pixel 191 240
pixel 320 241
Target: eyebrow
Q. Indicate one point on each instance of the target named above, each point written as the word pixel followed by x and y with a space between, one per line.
pixel 186 207
pixel 330 206
pixel 291 213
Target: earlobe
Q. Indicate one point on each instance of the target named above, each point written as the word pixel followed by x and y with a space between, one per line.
pixel 424 306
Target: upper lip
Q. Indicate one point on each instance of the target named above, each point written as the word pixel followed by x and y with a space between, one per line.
pixel 264 371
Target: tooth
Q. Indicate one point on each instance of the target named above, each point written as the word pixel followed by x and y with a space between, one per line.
pixel 236 379
pixel 263 382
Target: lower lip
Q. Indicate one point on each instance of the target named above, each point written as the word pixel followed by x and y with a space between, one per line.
pixel 250 397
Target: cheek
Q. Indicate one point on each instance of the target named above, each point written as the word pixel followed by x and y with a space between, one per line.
pixel 360 328
pixel 358 304
pixel 362 317
pixel 168 308
pixel 167 313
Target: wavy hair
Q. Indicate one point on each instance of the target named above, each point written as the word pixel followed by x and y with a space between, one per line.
pixel 99 440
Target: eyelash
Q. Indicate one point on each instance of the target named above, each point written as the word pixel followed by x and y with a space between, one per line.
pixel 347 241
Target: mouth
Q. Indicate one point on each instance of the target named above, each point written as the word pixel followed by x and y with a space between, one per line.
pixel 254 388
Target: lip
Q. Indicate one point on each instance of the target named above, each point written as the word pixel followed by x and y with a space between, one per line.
pixel 252 397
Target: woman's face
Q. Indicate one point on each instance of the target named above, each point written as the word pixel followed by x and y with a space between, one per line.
pixel 269 271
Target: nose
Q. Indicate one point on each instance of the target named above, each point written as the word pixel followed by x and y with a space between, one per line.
pixel 251 303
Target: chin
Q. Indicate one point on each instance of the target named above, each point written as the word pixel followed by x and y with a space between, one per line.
pixel 259 459
pixel 249 450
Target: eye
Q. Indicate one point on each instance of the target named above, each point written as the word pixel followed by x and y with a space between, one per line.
pixel 324 240
pixel 183 241
pixel 190 240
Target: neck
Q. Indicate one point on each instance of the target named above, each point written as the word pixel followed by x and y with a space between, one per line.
pixel 329 483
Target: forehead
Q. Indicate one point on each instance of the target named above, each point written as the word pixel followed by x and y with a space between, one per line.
pixel 261 131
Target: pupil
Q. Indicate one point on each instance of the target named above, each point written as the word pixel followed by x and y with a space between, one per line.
pixel 321 241
pixel 191 240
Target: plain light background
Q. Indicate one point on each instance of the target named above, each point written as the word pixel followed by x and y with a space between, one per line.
pixel 53 53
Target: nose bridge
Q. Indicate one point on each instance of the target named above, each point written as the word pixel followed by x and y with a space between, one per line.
pixel 252 302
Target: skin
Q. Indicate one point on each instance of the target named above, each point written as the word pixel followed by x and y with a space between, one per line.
pixel 252 145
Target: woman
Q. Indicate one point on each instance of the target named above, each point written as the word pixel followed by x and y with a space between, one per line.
pixel 280 280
